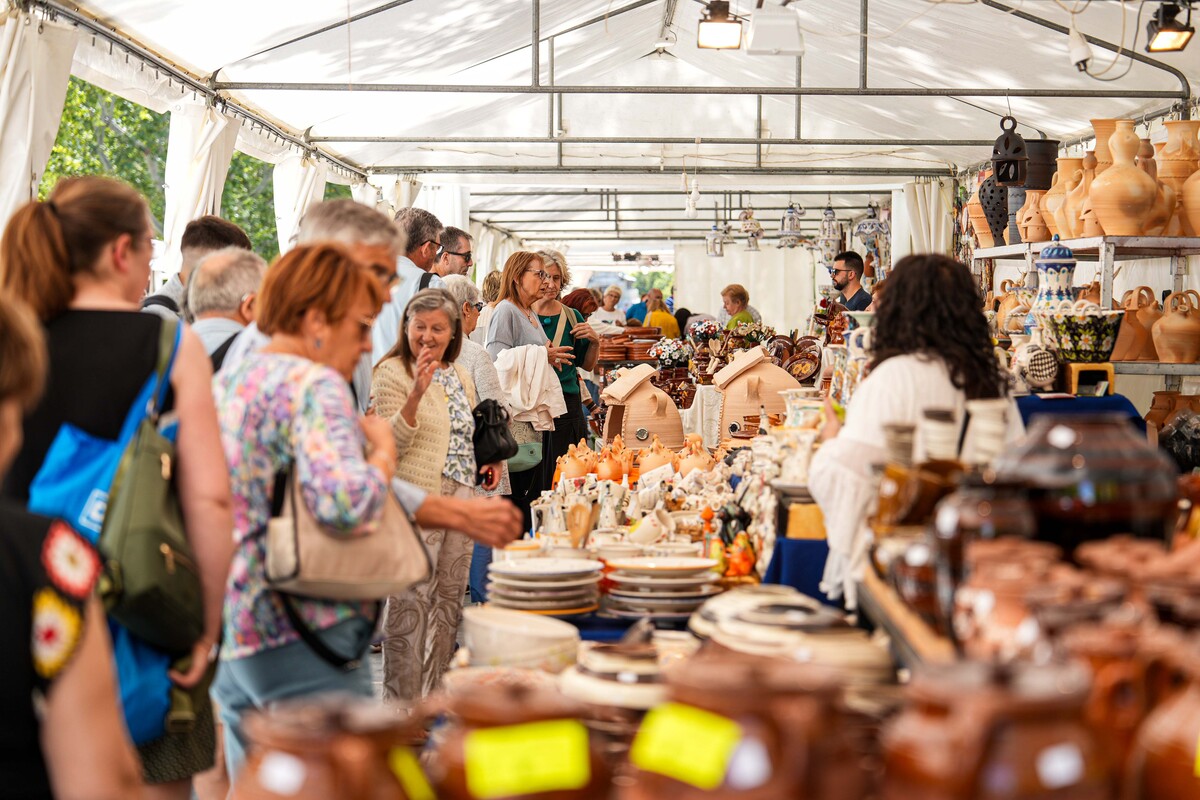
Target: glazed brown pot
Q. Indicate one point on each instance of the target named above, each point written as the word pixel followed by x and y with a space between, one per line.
pixel 507 712
pixel 313 750
pixel 977 732
pixel 1163 762
pixel 790 715
pixel 992 616
pixel 1092 477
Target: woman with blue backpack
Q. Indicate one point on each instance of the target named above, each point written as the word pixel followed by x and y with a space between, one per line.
pixel 118 378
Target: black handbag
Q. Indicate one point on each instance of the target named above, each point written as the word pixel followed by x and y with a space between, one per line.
pixel 492 440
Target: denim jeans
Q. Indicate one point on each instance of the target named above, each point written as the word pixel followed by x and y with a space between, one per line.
pixel 292 671
pixel 481 559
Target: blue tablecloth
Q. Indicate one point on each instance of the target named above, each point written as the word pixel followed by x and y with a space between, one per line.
pixel 1032 405
pixel 799 563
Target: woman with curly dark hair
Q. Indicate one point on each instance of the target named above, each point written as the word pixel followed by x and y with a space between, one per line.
pixel 931 349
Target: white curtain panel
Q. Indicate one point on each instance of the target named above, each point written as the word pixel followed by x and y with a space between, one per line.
pixel 451 204
pixel 405 193
pixel 366 193
pixel 901 225
pixel 35 60
pixel 199 149
pixel 929 210
pixel 299 182
pixel 782 283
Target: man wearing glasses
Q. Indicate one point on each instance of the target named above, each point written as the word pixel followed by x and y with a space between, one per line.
pixel 414 272
pixel 847 275
pixel 454 255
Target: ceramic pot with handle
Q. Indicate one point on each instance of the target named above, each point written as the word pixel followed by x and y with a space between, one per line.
pixel 1163 764
pixel 1148 313
pixel 1123 196
pixel 1131 338
pixel 1104 129
pixel 1177 333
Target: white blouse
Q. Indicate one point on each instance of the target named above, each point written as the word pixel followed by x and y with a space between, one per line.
pixel 839 479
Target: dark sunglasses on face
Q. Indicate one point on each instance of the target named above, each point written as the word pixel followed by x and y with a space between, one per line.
pixel 467 256
pixel 478 306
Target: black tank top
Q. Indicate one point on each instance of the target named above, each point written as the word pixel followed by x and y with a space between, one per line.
pixel 99 361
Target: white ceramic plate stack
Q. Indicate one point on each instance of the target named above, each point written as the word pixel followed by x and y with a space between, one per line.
pixel 550 586
pixel 662 589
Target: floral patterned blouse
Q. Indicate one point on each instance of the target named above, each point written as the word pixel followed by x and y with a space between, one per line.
pixel 460 457
pixel 47 573
pixel 279 412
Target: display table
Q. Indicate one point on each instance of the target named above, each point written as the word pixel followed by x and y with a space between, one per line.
pixel 1032 405
pixel 704 417
pixel 800 563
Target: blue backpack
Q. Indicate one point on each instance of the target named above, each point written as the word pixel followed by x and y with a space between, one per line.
pixel 73 485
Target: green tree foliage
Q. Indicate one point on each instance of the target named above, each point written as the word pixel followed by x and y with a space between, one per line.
pixel 249 200
pixel 336 191
pixel 102 134
pixel 656 279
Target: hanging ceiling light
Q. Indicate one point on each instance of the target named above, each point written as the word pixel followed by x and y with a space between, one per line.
pixel 719 28
pixel 774 31
pixel 1164 33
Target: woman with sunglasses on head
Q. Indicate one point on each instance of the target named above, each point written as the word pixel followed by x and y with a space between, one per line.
pixel 426 397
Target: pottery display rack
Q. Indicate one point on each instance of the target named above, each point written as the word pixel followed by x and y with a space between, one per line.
pixel 1108 250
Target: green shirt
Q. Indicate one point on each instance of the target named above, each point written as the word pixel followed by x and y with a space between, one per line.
pixel 738 319
pixel 568 376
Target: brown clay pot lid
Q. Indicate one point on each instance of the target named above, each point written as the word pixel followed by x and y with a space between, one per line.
pixel 1103 641
pixel 510 705
pixel 734 681
pixel 1019 687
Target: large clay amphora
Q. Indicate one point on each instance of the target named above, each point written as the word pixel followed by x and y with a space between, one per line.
pixel 1178 160
pixel 1177 332
pixel 1189 214
pixel 1072 207
pixel 1123 196
pixel 1058 193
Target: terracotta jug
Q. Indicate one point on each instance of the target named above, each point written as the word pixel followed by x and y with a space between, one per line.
pixel 1131 338
pixel 1104 128
pixel 1178 159
pixel 1189 217
pixel 1029 218
pixel 1072 207
pixel 1164 202
pixel 1160 408
pixel 1058 192
pixel 1148 313
pixel 965 725
pixel 312 750
pixel 1063 217
pixel 1145 159
pixel 1123 196
pixel 979 222
pixel 1177 332
pixel 1163 764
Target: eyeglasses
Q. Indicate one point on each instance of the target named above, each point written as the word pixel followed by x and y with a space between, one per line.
pixel 478 306
pixel 541 274
pixel 467 256
pixel 384 274
pixel 836 271
pixel 364 327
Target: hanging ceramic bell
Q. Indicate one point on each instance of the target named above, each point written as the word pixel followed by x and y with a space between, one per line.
pixel 714 243
pixel 1010 161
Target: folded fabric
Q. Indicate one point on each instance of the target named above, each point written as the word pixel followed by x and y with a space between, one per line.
pixel 530 386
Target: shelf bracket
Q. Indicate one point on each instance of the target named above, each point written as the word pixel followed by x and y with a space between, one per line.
pixel 1108 258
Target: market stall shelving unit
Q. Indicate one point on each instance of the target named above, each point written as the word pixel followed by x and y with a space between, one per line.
pixel 914 643
pixel 1107 250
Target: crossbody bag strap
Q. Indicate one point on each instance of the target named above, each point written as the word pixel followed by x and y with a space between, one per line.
pixel 169 337
pixel 562 326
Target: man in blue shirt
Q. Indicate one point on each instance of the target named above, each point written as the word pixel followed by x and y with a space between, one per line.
pixel 847 275
pixel 423 232
pixel 637 312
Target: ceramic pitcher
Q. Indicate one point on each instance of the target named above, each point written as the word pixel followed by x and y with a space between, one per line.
pixel 1148 313
pixel 1123 196
pixel 1177 332
pixel 1056 275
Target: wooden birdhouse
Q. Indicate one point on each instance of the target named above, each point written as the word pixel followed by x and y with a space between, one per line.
pixel 638 411
pixel 750 382
pixel 1010 162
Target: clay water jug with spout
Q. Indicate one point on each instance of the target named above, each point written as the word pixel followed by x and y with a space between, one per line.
pixel 1123 196
pixel 1177 332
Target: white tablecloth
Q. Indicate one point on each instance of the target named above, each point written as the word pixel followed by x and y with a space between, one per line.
pixel 704 417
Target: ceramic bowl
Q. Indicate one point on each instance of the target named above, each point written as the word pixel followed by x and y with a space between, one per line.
pixel 1087 337
pixel 496 635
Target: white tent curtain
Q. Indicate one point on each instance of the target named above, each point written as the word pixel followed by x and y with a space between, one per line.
pixel 199 149
pixel 782 283
pixel 35 60
pixel 299 182
pixel 923 222
pixel 450 204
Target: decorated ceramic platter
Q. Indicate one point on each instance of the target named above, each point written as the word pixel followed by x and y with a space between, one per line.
pixel 682 592
pixel 509 593
pixel 657 615
pixel 655 603
pixel 651 581
pixel 675 565
pixel 540 569
pixel 542 605
pixel 557 584
pixel 562 612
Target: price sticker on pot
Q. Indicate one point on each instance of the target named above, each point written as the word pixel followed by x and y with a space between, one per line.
pixel 688 744
pixel 1197 768
pixel 407 769
pixel 525 759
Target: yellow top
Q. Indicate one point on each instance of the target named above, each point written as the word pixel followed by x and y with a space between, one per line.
pixel 664 320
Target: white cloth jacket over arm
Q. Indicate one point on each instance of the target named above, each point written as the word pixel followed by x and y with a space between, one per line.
pixel 530 386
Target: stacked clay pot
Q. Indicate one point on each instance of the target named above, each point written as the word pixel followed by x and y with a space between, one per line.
pixel 1122 196
pixel 1163 764
pixel 979 222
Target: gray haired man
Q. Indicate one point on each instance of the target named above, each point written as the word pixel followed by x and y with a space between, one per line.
pixel 221 296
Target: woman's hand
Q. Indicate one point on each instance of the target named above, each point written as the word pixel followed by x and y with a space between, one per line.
pixel 832 424
pixel 584 330
pixel 491 476
pixel 427 364
pixel 203 654
pixel 559 356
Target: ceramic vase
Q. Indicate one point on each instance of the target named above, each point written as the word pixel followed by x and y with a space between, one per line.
pixel 1148 311
pixel 1029 218
pixel 1062 220
pixel 1131 338
pixel 1104 129
pixel 1163 209
pixel 1058 192
pixel 1189 215
pixel 1178 160
pixel 1041 166
pixel 1016 202
pixel 1123 196
pixel 1177 332
pixel 1072 207
pixel 1056 276
pixel 979 223
pixel 995 207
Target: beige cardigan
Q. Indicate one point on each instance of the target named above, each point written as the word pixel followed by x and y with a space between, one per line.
pixel 420 450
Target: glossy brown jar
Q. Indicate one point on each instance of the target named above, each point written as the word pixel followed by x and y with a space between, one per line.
pixel 1060 606
pixel 796 738
pixel 992 616
pixel 313 750
pixel 1163 763
pixel 538 728
pixel 982 509
pixel 1124 558
pixel 1090 477
pixel 972 731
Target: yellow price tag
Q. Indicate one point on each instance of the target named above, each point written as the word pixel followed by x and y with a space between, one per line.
pixel 527 759
pixel 407 769
pixel 1197 768
pixel 686 743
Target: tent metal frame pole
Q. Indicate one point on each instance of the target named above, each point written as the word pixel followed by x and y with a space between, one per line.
pixel 850 191
pixel 536 45
pixel 496 213
pixel 550 169
pixel 655 140
pixel 799 99
pixel 699 91
pixel 862 44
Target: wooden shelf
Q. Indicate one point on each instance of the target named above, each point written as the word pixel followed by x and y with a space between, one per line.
pixel 913 641
pixel 1089 249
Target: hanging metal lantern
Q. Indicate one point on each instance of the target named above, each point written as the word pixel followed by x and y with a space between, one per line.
pixel 714 243
pixel 752 243
pixel 1010 161
pixel 749 225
